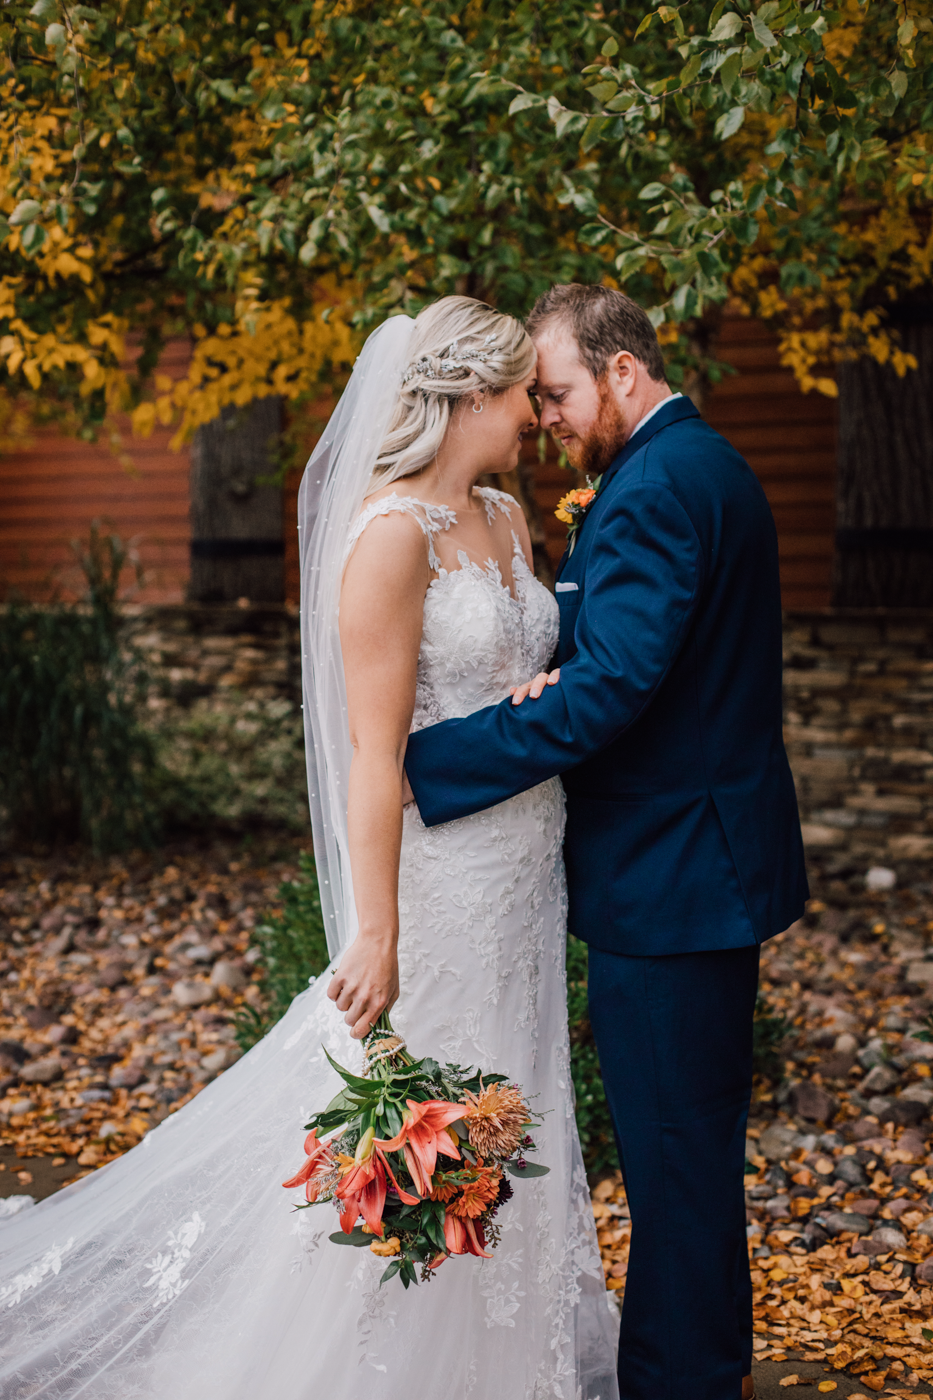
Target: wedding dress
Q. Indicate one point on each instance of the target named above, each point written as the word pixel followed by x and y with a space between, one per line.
pixel 179 1272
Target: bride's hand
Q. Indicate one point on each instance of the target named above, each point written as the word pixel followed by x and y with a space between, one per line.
pixel 535 688
pixel 366 982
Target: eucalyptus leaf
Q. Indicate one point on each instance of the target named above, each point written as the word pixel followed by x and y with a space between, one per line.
pixel 356 1239
pixel 528 1170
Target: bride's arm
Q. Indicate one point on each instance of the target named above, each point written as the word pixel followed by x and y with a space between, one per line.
pixel 381 613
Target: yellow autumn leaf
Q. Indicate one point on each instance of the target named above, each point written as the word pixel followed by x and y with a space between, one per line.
pixel 143 419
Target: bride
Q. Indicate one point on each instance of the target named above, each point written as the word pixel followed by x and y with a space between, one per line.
pixel 179 1272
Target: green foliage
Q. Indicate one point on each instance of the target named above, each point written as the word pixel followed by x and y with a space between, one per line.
pixel 235 763
pixel 75 761
pixel 292 948
pixel 769 1032
pixel 593 1119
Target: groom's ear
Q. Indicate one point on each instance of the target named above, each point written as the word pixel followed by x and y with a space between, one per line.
pixel 622 370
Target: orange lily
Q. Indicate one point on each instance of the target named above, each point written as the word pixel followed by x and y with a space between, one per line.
pixel 464 1237
pixel 316 1169
pixel 423 1135
pixel 363 1188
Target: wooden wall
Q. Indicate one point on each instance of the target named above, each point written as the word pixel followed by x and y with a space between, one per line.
pixel 55 486
pixel 52 490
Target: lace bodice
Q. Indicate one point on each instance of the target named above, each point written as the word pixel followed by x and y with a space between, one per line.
pixel 478 640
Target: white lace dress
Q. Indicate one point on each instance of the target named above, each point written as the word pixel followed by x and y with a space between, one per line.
pixel 179 1272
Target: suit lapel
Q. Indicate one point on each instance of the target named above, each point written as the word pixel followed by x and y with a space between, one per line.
pixel 672 412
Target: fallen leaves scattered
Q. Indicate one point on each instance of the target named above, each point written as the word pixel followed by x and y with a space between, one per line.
pixel 119 985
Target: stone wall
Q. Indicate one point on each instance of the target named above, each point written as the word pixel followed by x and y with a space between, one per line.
pixel 858 705
pixel 210 650
pixel 858 698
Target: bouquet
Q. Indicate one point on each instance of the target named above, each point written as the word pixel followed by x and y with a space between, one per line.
pixel 422 1152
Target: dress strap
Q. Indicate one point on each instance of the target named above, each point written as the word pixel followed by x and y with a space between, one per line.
pixel 431 520
pixel 493 499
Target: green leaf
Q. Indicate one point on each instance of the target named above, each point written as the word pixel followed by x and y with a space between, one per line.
pixel 730 70
pixel 646 23
pixel 906 32
pixel 623 102
pixel 569 122
pixel 610 48
pixel 55 35
pixel 690 70
pixel 656 316
pixel 763 34
pixel 899 84
pixel 529 1169
pixel 594 131
pixel 26 212
pixel 32 238
pixel 603 91
pixel 652 191
pixel 727 28
pixel 523 100
pixel 356 1239
pixel 729 123
pixel 391 1271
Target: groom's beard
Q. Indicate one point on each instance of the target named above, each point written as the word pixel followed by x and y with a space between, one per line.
pixel 593 453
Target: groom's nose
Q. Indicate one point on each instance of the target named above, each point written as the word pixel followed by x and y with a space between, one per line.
pixel 549 416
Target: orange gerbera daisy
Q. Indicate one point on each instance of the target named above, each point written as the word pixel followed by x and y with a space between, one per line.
pixel 477 1194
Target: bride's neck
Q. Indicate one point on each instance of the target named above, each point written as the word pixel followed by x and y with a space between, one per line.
pixel 449 483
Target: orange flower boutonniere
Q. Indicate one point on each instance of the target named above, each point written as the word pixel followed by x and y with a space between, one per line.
pixel 571 509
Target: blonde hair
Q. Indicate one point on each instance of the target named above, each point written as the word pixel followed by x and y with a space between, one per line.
pixel 459 347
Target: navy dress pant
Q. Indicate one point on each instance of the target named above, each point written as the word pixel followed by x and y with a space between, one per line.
pixel 674 1036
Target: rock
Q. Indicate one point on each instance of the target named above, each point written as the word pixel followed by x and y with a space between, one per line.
pixel 889 1238
pixel 53 920
pixel 900 1207
pixel 920 974
pixel 837 1222
pixel 846 1044
pixel 62 943
pixel 869 1246
pixel 113 975
pixel 836 1066
pixel 776 1141
pixel 925 1270
pixel 908 1110
pixel 866 1205
pixel 851 1172
pixel 922 1093
pixel 39 1017
pixel 879 1080
pixel 18 1108
pixel 226 974
pixel 127 1077
pixel 188 992
pixel 879 877
pixel 108 1130
pixel 44 1071
pixel 95 1096
pixel 880 1107
pixel 778 1207
pixel 62 1035
pixel 809 1101
pixel 862 1130
pixel 12 1054
pixel 874 1053
pixel 199 952
pixel 814 1236
pixel 910 1140
pixel 840 1019
pixel 221 1059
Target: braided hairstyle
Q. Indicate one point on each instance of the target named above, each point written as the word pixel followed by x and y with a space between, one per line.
pixel 459 346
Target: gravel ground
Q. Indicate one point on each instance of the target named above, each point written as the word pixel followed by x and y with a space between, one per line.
pixel 121 981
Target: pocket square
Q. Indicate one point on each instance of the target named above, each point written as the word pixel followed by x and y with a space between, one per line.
pixel 567 587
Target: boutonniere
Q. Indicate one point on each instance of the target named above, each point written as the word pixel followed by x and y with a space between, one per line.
pixel 571 509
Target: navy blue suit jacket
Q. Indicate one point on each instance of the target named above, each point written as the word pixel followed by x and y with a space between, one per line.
pixel 666 724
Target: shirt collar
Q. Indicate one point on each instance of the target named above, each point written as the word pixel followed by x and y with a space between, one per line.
pixel 652 411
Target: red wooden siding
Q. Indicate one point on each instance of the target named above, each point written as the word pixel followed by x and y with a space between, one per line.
pixel 789 440
pixel 52 489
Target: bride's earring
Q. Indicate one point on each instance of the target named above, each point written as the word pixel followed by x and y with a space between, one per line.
pixel 480 409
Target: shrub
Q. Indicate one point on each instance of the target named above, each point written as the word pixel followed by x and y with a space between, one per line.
pixel 75 761
pixel 292 948
pixel 593 1119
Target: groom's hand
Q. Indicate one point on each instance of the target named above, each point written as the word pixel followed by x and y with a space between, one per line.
pixel 534 689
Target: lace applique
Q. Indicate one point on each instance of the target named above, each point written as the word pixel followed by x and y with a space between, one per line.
pixel 50 1263
pixel 493 498
pixel 431 520
pixel 166 1275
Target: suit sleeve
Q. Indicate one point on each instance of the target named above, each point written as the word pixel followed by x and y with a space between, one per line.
pixel 642 585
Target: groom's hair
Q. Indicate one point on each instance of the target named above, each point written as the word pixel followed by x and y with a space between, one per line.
pixel 602 321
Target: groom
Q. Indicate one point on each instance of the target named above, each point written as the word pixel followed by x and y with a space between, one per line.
pixel 683 845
